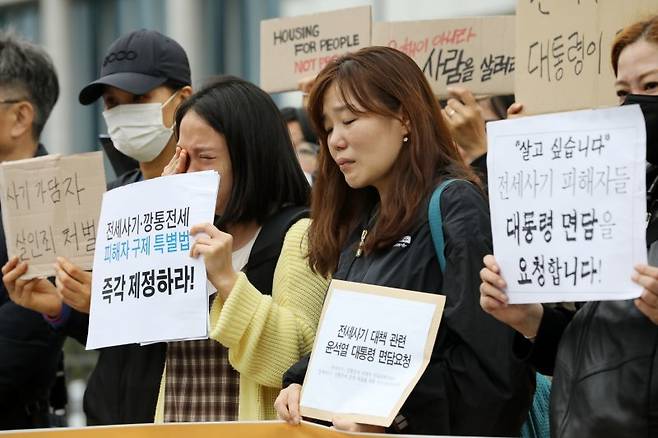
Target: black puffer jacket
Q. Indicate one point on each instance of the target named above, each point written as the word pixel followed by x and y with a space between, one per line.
pixel 604 359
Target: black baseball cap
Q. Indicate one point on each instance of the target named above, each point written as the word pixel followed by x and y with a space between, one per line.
pixel 137 63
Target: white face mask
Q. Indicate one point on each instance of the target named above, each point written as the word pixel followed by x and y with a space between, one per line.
pixel 137 129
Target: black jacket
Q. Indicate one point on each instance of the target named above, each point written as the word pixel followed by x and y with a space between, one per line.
pixel 473 384
pixel 604 359
pixel 30 352
pixel 123 388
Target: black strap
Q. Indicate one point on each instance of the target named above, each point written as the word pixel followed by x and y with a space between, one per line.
pixel 265 253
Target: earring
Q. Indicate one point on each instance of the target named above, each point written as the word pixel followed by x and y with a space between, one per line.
pixel 405 138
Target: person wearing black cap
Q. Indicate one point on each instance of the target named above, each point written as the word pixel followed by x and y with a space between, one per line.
pixel 144 77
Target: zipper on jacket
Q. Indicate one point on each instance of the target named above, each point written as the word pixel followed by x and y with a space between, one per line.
pixel 359 249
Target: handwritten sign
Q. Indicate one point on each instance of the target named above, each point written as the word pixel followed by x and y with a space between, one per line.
pixel 50 208
pixel 144 276
pixel 567 194
pixel 474 52
pixel 563 51
pixel 365 364
pixel 296 48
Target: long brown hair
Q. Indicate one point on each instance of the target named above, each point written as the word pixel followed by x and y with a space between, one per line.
pixel 386 82
pixel 642 30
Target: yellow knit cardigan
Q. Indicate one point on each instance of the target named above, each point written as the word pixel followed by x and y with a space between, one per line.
pixel 266 334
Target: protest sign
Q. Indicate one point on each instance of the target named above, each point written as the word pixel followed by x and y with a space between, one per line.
pixel 145 286
pixel 295 48
pixel 563 51
pixel 475 52
pixel 568 209
pixel 373 344
pixel 50 208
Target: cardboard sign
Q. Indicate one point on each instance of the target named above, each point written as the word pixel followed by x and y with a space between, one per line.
pixel 50 208
pixel 568 207
pixel 474 52
pixel 372 346
pixel 295 48
pixel 144 276
pixel 563 51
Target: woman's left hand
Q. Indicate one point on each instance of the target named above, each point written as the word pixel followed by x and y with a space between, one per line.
pixel 350 426
pixel 647 277
pixel 216 247
pixel 73 285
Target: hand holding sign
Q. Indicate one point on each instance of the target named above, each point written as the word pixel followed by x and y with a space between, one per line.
pixel 287 404
pixel 216 247
pixel 647 277
pixel 37 294
pixel 524 318
pixel 73 285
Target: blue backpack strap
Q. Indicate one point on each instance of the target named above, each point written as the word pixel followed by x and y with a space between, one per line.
pixel 436 222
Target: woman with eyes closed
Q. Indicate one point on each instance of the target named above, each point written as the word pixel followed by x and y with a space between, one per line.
pixel 385 148
pixel 265 311
pixel 603 357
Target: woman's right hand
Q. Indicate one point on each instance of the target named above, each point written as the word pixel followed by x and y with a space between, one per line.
pixel 287 404
pixel 36 294
pixel 177 164
pixel 524 318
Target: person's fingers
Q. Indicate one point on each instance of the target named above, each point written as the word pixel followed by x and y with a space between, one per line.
pixel 463 94
pixel 12 276
pixel 651 271
pixel 490 262
pixel 207 228
pixel 293 403
pixel 514 110
pixel 650 298
pixel 11 264
pixel 488 276
pixel 281 406
pixel 489 304
pixel 198 249
pixel 456 106
pixel 488 290
pixel 341 423
pixel 182 162
pixel 204 240
pixel 74 271
pixel 169 168
pixel 646 281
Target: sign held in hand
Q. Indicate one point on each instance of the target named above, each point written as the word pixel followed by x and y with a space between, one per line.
pixel 568 209
pixel 50 208
pixel 372 346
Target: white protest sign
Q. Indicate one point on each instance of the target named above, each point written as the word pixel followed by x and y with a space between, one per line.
pixel 373 344
pixel 568 209
pixel 476 52
pixel 294 48
pixel 146 287
pixel 50 208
